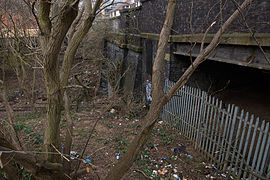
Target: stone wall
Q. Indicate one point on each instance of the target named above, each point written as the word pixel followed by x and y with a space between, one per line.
pixel 149 18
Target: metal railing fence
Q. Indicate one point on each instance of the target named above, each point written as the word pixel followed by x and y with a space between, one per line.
pixel 231 138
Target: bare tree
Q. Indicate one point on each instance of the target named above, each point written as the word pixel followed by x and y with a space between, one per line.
pixel 54 25
pixel 55 19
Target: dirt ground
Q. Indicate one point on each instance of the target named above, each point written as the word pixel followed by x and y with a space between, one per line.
pixel 167 154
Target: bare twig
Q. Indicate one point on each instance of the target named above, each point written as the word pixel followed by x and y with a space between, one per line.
pixel 60 153
pixel 86 144
pixel 140 171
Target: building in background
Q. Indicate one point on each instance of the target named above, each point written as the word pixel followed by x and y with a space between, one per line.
pixel 123 4
pixel 16 19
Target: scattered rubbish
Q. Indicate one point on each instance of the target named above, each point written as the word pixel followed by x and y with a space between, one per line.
pixel 180 177
pixel 74 154
pixel 155 173
pixel 120 124
pixel 117 156
pixel 169 166
pixel 190 156
pixel 62 148
pixel 88 160
pixel 223 175
pixel 87 169
pixel 112 111
pixel 146 156
pixel 210 177
pixel 160 122
pixel 175 176
pixel 164 159
pixel 162 172
pixel 102 117
pixel 158 129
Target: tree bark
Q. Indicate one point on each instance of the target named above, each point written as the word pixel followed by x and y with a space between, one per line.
pixel 51 42
pixel 76 39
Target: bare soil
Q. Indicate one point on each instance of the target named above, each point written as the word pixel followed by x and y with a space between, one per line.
pixel 161 158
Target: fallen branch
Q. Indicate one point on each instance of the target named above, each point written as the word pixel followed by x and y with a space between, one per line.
pixel 137 170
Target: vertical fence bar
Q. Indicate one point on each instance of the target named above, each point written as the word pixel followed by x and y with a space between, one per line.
pixel 203 114
pixel 183 109
pixel 228 134
pixel 173 109
pixel 186 110
pixel 257 147
pixel 220 139
pixel 212 105
pixel 241 144
pixel 268 171
pixel 206 123
pixel 178 108
pixel 266 152
pixel 231 131
pixel 189 107
pixel 251 147
pixel 200 119
pixel 181 104
pixel 246 144
pixel 196 123
pixel 213 134
pixel 260 160
pixel 215 147
pixel 194 108
pixel 224 133
pixel 236 141
pixel 193 112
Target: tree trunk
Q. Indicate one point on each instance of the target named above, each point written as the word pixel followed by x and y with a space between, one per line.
pixel 77 37
pixel 51 42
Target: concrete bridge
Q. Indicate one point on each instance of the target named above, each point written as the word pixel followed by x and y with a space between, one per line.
pixel 238 71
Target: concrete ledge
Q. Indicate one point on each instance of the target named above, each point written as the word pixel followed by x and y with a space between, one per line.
pixel 230 61
pixel 150 36
pixel 134 48
pixel 230 39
